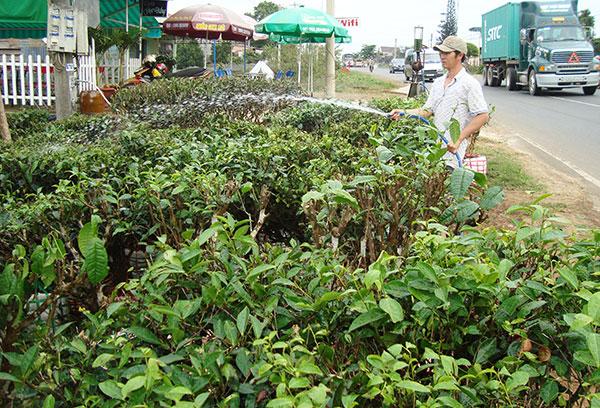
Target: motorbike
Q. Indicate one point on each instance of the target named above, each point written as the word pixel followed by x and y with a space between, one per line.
pixel 148 72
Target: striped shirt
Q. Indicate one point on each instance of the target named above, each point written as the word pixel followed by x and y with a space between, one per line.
pixel 462 100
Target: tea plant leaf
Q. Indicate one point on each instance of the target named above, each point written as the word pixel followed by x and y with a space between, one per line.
pixel 460 212
pixel 367 318
pixel 96 260
pixel 454 130
pixel 206 235
pixel 517 379
pixel 593 343
pixel 318 395
pixel 242 320
pixel 549 391
pixel 87 232
pixel 449 402
pixel 413 386
pixel 349 401
pixel 9 377
pixel 309 368
pixel 384 154
pixel 299 382
pixel 201 399
pixel 49 402
pixel 312 195
pixel 460 181
pixel 343 197
pixel 492 197
pixel 486 349
pixel 28 359
pixel 111 389
pixel 144 334
pixel 326 298
pixel 133 384
pixel 102 359
pixel 570 277
pixel 581 320
pixel 392 308
pixel 593 307
pixel 284 402
pixel 242 360
pixel 526 232
pixel 176 393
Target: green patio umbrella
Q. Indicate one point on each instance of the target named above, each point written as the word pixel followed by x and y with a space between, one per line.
pixel 303 23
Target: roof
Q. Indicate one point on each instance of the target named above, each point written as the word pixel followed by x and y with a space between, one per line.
pixel 27 18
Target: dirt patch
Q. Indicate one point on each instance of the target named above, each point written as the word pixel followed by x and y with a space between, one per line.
pixel 568 200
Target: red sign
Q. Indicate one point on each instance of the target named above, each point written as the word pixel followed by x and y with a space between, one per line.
pixel 349 21
pixel 574 58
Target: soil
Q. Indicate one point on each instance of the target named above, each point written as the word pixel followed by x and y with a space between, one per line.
pixel 569 198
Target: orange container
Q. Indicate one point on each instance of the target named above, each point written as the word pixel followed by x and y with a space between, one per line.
pixel 91 102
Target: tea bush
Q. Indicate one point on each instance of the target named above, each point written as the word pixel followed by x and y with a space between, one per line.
pixel 283 267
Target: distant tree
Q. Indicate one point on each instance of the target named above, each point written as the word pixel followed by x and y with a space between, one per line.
pixel 189 54
pixel 586 19
pixel 449 25
pixel 368 52
pixel 475 29
pixel 263 9
pixel 596 43
pixel 472 50
pixel 223 50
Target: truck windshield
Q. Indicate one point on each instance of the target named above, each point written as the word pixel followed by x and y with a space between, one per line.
pixel 432 57
pixel 572 33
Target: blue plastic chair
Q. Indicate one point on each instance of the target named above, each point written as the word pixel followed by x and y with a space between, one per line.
pixel 228 72
pixel 219 73
pixel 289 74
pixel 279 75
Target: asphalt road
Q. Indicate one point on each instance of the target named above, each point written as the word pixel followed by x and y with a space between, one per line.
pixel 560 128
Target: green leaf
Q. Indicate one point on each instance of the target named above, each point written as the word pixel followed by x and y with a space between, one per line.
pixel 481 179
pixel 593 307
pixel 259 270
pixel 526 232
pixel 517 379
pixel 392 308
pixel 176 393
pixel 102 359
pixel 384 154
pixel 492 197
pixel 366 318
pixel 343 197
pixel 28 359
pixel 111 389
pixel 87 232
pixel 454 130
pixel 463 211
pixel 318 395
pixel 449 402
pixel 113 307
pixel 309 368
pixel 581 320
pixel 312 195
pixel 549 391
pixel 206 235
pixel 285 402
pixel 460 181
pixel 49 402
pixel 413 386
pixel 242 320
pixel 257 326
pixel 570 277
pixel 133 384
pixel 144 334
pixel 9 377
pixel 486 350
pixel 299 382
pixel 96 260
pixel 593 343
pixel 242 360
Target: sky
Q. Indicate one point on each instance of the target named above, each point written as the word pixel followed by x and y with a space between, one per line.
pixel 383 22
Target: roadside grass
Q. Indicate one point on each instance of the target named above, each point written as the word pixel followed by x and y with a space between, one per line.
pixel 503 168
pixel 353 82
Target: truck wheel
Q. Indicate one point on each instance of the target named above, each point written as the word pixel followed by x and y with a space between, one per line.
pixel 533 87
pixel 589 90
pixel 485 74
pixel 490 77
pixel 511 79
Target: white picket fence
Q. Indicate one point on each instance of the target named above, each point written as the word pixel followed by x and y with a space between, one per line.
pixel 30 80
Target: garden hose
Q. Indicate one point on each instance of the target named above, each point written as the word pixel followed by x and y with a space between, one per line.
pixel 422 119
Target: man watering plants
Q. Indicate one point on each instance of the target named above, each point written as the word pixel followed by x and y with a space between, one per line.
pixel 455 95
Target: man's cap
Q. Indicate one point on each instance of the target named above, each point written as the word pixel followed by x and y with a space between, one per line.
pixel 452 43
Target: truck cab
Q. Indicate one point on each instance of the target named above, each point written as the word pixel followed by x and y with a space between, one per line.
pixel 538 44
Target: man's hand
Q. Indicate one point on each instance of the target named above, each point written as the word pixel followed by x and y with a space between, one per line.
pixel 452 148
pixel 395 114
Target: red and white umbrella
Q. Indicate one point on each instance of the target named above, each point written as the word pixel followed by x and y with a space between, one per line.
pixel 209 22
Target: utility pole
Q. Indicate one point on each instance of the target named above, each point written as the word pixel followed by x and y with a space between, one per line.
pixel 62 83
pixel 330 56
